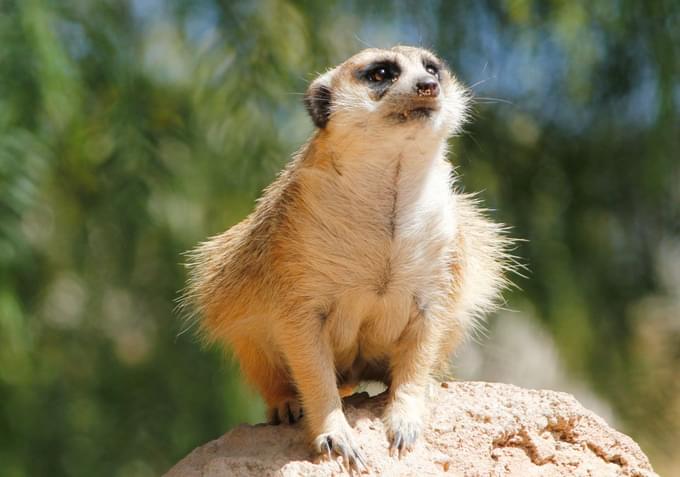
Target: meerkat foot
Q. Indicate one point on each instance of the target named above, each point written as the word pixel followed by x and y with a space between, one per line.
pixel 287 411
pixel 340 442
pixel 404 424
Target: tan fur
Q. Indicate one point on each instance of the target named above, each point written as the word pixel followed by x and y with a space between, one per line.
pixel 359 262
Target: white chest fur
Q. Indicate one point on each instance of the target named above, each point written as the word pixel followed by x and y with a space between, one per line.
pixel 424 203
pixel 382 209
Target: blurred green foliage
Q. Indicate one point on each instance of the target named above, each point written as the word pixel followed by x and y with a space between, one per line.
pixel 131 130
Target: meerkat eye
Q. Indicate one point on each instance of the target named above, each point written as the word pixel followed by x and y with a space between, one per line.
pixel 382 73
pixel 432 69
pixel 378 74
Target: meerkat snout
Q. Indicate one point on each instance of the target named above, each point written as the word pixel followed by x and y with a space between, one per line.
pixel 427 87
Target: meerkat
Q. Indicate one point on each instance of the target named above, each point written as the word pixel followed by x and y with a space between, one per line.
pixel 360 261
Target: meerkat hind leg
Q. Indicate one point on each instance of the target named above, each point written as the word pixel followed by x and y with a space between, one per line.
pixel 273 383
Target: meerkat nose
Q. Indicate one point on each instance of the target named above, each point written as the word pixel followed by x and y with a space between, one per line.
pixel 427 87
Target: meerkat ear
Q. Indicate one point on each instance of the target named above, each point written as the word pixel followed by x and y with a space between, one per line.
pixel 318 100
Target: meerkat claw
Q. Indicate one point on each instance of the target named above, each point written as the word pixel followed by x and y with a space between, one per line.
pixel 352 459
pixel 402 444
pixel 402 441
pixel 286 412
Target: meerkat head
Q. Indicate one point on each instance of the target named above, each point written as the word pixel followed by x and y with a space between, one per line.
pixel 400 87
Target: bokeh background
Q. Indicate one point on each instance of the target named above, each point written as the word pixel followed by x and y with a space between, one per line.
pixel 132 129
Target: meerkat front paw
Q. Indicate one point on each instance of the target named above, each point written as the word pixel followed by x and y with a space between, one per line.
pixel 340 441
pixel 404 422
pixel 286 411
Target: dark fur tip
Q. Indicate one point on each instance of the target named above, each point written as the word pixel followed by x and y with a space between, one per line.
pixel 318 104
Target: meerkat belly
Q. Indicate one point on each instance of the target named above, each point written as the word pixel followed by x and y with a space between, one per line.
pixel 366 322
pixel 391 274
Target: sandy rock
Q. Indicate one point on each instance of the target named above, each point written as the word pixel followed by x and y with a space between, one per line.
pixel 476 429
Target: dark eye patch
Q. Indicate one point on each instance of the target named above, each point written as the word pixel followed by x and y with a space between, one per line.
pixel 379 76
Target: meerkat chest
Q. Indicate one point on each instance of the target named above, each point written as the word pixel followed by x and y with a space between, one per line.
pixel 383 225
pixel 417 214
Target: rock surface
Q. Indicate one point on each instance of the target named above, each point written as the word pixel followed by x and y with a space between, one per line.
pixel 476 429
